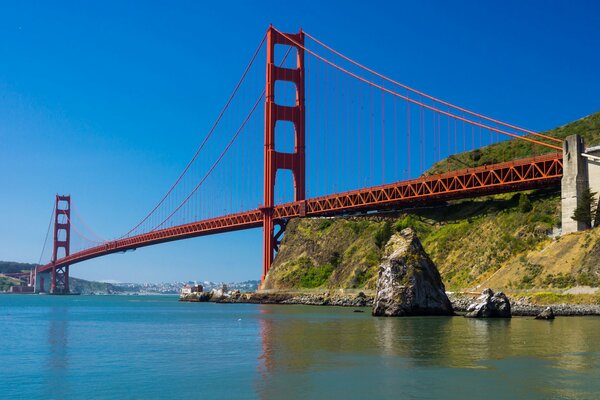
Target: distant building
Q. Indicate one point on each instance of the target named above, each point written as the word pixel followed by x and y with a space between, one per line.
pixel 189 289
pixel 21 289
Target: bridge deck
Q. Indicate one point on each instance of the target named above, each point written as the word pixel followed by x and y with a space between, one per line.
pixel 524 174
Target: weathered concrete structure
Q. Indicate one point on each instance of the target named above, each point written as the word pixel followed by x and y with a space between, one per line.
pixel 42 281
pixel 581 170
pixel 593 161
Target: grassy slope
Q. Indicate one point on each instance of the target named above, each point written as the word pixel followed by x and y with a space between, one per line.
pixel 469 241
pixel 341 253
pixel 487 241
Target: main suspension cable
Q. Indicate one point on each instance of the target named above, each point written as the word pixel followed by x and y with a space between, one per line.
pixel 456 117
pixel 210 132
pixel 429 96
pixel 241 127
pixel 47 234
pixel 86 226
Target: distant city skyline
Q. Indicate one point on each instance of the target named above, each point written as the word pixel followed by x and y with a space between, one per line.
pixel 107 102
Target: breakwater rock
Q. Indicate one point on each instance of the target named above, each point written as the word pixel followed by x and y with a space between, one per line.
pixel 547 314
pixel 196 297
pixel 460 302
pixel 326 298
pixel 522 307
pixel 409 282
pixel 490 305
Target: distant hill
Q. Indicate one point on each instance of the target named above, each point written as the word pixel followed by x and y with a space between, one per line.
pixel 91 287
pixel 77 285
pixel 9 267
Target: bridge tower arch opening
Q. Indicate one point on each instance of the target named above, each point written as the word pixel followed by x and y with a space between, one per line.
pixel 275 160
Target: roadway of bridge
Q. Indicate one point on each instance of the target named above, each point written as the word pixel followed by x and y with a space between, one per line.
pixel 518 175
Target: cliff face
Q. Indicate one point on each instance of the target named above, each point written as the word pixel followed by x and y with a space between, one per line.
pixel 331 253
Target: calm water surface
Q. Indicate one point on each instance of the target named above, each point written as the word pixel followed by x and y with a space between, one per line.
pixel 110 347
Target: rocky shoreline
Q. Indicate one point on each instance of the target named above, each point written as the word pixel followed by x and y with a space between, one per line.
pixel 522 308
pixel 460 302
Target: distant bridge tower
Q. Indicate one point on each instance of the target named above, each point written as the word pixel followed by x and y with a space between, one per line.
pixel 62 241
pixel 275 160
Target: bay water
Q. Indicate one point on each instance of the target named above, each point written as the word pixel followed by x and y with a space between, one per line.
pixel 154 347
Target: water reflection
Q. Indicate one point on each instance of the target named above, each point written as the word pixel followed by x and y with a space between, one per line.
pixel 56 383
pixel 538 358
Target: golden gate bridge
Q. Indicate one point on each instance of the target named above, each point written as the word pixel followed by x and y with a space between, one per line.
pixel 336 138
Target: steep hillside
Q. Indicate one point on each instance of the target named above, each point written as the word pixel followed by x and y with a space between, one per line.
pixel 468 240
pixel 502 241
pixel 333 253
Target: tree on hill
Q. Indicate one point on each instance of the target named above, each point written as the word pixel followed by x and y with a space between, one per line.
pixel 586 210
pixel 524 203
pixel 597 218
pixel 7 267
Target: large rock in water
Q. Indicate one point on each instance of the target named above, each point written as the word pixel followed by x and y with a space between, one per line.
pixel 490 305
pixel 409 282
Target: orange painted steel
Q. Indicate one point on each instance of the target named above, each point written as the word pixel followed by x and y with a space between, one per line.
pixel 275 160
pixel 524 174
pixel 62 241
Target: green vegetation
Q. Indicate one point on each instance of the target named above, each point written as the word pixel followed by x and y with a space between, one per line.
pixel 330 253
pixel 532 271
pixel 554 298
pixel 560 280
pixel 8 267
pixel 504 241
pixel 524 203
pixel 588 128
pixel 586 211
pixel 307 275
pixel 468 240
pixel 383 234
pixel 6 283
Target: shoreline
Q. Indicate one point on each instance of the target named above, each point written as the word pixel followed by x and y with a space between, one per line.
pixel 520 307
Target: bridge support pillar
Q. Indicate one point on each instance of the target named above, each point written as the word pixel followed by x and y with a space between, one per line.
pixel 574 182
pixel 62 240
pixel 42 282
pixel 275 160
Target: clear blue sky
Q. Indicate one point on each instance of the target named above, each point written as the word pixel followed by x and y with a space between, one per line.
pixel 107 101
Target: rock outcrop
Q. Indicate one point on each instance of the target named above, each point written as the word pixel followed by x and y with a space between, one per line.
pixel 409 282
pixel 490 305
pixel 547 314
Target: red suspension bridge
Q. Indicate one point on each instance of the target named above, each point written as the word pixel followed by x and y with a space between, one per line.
pixel 337 137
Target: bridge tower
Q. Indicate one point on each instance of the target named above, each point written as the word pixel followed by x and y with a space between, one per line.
pixel 275 160
pixel 62 240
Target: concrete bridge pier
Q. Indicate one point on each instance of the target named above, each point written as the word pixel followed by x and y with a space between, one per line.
pixel 42 282
pixel 581 170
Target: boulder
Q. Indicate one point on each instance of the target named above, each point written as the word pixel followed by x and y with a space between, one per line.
pixel 547 314
pixel 409 282
pixel 489 305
